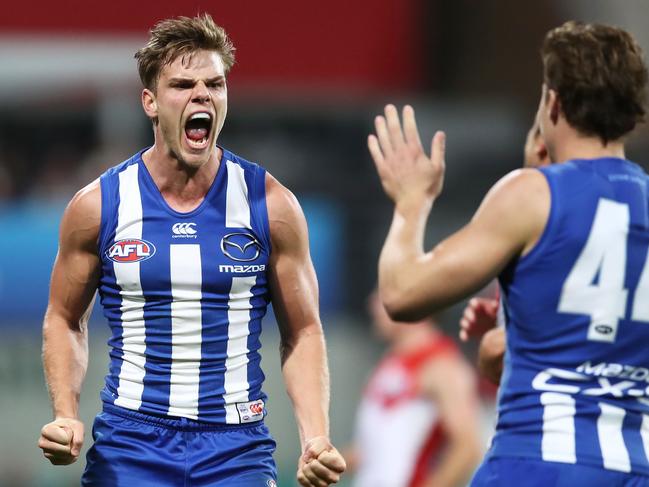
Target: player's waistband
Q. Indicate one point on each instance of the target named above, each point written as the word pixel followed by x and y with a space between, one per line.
pixel 175 423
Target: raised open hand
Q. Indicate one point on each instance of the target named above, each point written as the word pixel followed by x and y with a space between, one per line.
pixel 406 172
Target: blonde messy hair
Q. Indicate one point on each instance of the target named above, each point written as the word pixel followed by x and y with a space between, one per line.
pixel 181 36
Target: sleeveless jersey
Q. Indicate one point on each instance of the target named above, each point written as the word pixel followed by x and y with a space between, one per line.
pixel 575 383
pixel 398 432
pixel 184 294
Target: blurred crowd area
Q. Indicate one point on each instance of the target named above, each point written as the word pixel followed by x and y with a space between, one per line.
pixel 302 97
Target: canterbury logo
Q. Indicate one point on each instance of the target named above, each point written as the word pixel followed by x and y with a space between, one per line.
pixel 241 247
pixel 184 230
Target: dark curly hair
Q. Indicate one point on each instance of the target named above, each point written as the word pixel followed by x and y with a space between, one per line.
pixel 599 75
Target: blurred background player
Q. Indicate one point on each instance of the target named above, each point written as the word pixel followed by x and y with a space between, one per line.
pixel 177 239
pixel 569 243
pixel 418 422
pixel 480 317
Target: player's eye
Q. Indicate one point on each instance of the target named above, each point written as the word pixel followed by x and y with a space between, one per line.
pixel 182 85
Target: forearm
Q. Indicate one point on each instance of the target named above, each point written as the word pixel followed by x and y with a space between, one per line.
pixel 456 466
pixel 306 375
pixel 402 254
pixel 65 361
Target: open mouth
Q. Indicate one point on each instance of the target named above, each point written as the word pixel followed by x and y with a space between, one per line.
pixel 197 129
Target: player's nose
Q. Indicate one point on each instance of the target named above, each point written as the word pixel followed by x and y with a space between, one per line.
pixel 200 93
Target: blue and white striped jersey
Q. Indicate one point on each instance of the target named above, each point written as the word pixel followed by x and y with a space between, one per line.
pixel 185 293
pixel 576 381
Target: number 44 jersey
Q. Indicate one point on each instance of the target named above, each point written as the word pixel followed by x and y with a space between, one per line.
pixel 575 387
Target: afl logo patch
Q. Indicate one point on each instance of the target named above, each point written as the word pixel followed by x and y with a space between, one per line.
pixel 241 247
pixel 130 250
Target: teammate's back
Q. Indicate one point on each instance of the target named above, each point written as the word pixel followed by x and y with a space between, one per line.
pixel 576 371
pixel 569 244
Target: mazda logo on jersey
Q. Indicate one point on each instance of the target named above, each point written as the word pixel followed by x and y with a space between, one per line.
pixel 130 250
pixel 241 247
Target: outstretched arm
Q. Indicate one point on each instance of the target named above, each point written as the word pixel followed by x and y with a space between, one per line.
pixel 65 340
pixel 414 283
pixel 294 294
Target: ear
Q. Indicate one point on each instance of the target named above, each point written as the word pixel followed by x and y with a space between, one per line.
pixel 542 152
pixel 149 104
pixel 554 105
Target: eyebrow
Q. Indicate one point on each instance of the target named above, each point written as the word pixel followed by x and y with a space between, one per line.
pixel 192 80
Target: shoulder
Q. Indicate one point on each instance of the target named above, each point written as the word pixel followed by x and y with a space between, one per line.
pixel 285 215
pixel 245 164
pixel 86 202
pixel 430 349
pixel 439 352
pixel 521 186
pixel 115 170
pixel 82 217
pixel 516 208
pixel 444 370
pixel 281 198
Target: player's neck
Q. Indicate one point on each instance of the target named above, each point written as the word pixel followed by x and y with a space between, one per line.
pixel 576 146
pixel 183 187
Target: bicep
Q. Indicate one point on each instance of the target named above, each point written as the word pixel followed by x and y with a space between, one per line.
pixel 470 258
pixel 75 274
pixel 512 215
pixel 294 291
pixel 74 281
pixel 293 282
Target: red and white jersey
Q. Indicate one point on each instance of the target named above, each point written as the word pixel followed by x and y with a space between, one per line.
pixel 398 432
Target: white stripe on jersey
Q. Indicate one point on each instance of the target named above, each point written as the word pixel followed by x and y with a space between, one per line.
pixel 611 441
pixel 236 363
pixel 186 329
pixel 127 275
pixel 558 443
pixel 237 209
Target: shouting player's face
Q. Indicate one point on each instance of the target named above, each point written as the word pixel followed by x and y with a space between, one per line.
pixel 190 104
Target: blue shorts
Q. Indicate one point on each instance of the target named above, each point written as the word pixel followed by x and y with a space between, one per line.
pixel 132 449
pixel 517 472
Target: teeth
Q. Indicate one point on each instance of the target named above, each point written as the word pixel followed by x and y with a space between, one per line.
pixel 199 116
pixel 197 143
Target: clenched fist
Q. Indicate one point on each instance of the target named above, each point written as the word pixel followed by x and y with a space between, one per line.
pixel 321 464
pixel 61 440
